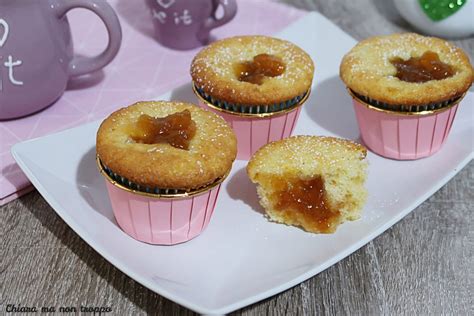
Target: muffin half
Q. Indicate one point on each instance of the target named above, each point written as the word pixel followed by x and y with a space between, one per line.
pixel 312 182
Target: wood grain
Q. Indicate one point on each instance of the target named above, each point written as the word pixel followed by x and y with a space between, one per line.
pixel 421 266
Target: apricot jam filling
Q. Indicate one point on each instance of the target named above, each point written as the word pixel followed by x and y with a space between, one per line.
pixel 255 71
pixel 421 69
pixel 304 202
pixel 176 129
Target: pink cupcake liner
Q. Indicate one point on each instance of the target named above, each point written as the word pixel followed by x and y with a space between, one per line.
pixel 253 133
pixel 404 135
pixel 159 220
pixel 256 130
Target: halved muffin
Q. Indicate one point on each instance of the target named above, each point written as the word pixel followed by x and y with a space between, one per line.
pixel 312 182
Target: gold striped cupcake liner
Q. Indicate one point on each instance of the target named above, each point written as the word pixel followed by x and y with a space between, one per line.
pixel 248 109
pixel 162 193
pixel 406 109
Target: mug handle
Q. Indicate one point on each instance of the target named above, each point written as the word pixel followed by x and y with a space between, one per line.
pixel 230 10
pixel 84 65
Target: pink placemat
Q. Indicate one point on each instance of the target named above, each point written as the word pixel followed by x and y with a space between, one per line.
pixel 142 70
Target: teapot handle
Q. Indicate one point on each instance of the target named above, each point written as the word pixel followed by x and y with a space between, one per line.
pixel 230 10
pixel 84 65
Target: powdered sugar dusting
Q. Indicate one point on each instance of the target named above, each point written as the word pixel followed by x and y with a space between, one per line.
pixel 308 152
pixel 210 155
pixel 367 69
pixel 213 67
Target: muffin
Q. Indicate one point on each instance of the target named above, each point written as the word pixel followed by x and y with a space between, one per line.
pixel 164 163
pixel 406 89
pixel 312 182
pixel 257 83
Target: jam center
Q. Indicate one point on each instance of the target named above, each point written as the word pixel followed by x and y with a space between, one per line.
pixel 176 129
pixel 263 65
pixel 421 69
pixel 305 202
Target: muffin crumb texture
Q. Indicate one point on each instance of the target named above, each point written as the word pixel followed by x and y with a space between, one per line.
pixel 312 182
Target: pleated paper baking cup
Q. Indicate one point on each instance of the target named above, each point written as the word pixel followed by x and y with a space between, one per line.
pixel 250 110
pixel 166 217
pixel 406 108
pixel 405 135
pixel 255 126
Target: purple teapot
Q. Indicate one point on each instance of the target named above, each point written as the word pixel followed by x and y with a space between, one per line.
pixel 36 52
pixel 186 24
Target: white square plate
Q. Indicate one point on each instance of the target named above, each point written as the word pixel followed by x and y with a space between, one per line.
pixel 242 258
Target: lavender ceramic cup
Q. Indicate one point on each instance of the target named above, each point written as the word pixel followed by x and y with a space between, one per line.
pixel 36 51
pixel 186 24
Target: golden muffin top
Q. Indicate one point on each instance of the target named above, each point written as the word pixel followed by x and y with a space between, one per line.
pixel 370 69
pixel 221 70
pixel 305 156
pixel 211 152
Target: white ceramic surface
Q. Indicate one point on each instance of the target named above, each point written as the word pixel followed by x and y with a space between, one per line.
pixel 242 258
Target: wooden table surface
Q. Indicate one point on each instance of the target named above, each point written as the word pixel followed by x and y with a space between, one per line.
pixel 422 265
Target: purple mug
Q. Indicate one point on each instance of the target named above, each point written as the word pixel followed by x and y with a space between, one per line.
pixel 186 24
pixel 36 51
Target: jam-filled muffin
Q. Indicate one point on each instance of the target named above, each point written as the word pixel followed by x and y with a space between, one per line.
pixel 252 80
pixel 312 182
pixel 168 145
pixel 407 69
pixel 252 70
pixel 406 89
pixel 164 162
